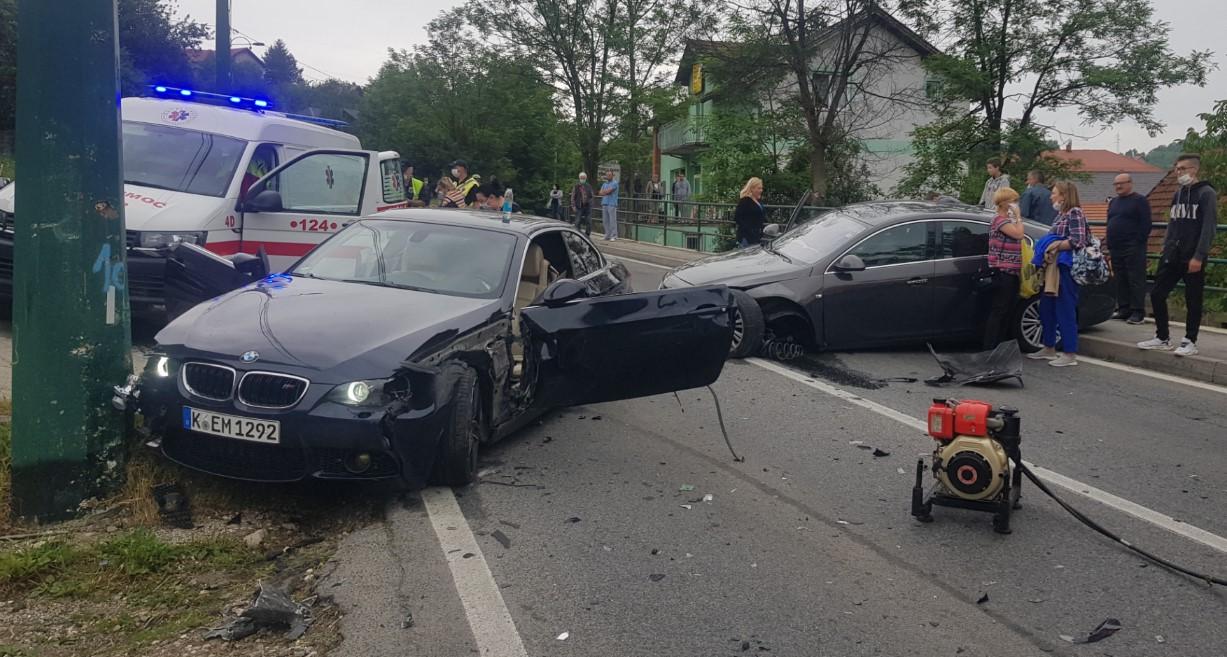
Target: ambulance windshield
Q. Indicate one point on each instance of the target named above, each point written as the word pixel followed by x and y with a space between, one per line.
pixel 180 160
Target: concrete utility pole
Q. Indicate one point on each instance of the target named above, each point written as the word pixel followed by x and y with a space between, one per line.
pixel 70 303
pixel 222 48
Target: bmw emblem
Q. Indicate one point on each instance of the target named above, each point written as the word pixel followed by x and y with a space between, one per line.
pixel 250 356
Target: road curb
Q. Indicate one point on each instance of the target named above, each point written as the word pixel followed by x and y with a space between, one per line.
pixel 1197 368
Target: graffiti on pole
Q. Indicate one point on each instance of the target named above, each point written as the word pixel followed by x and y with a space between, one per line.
pixel 112 271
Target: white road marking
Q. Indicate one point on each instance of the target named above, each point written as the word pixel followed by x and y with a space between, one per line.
pixel 1170 378
pixel 491 622
pixel 1074 486
pixel 640 262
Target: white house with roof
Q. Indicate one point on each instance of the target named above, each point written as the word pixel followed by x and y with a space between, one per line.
pixel 886 101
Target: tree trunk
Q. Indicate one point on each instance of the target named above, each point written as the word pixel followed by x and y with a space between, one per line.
pixel 818 173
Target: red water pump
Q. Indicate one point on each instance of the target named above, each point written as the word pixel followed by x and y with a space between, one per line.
pixel 972 461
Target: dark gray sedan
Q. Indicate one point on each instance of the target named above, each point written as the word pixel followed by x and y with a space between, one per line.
pixel 872 275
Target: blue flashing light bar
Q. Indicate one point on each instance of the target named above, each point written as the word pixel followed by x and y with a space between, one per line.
pixel 254 104
pixel 206 96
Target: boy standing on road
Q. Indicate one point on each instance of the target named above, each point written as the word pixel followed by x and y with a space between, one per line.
pixel 996 180
pixel 1190 233
pixel 581 203
pixel 609 206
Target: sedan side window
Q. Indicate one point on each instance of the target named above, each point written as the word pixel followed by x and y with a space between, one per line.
pixel 584 257
pixel 893 246
pixel 964 239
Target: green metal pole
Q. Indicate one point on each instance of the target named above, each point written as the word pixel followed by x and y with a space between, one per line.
pixel 70 305
pixel 222 47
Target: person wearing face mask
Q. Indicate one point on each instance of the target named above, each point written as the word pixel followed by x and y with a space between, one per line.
pixel 581 203
pixel 1059 300
pixel 467 185
pixel 1186 245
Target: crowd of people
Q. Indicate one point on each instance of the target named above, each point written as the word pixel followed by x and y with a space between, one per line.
pixel 1186 246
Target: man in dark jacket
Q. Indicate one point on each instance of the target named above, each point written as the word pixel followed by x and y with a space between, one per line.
pixel 581 203
pixel 1190 233
pixel 1036 201
pixel 1128 233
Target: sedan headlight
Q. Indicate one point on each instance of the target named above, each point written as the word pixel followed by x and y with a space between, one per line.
pixel 362 393
pixel 151 240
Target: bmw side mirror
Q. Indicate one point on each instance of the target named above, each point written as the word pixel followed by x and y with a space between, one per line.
pixel 562 291
pixel 771 230
pixel 266 201
pixel 850 263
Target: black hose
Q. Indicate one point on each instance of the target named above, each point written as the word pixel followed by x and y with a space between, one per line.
pixel 1208 579
pixel 720 416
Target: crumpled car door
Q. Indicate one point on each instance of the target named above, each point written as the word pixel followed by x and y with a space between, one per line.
pixel 608 348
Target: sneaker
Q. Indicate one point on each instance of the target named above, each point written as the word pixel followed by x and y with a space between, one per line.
pixel 1064 360
pixel 1122 313
pixel 1047 353
pixel 1136 318
pixel 1187 348
pixel 1155 343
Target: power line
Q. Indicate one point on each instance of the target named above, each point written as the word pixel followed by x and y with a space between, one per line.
pixel 327 75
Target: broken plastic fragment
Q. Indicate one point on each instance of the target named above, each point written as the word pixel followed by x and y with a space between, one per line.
pixel 502 538
pixel 708 497
pixel 1106 629
pixel 686 488
pixel 564 636
pixel 656 577
pixel 983 599
pixel 880 452
pixel 687 507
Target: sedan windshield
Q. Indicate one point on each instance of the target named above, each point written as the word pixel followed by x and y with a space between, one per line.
pixel 818 238
pixel 451 260
pixel 180 160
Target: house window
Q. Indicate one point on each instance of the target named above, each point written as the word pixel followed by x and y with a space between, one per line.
pixel 933 89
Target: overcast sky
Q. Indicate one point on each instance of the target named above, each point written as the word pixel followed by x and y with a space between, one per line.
pixel 349 39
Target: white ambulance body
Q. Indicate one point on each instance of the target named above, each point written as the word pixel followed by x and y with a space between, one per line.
pixel 187 164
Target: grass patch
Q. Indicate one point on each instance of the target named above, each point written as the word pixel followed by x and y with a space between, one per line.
pixel 6 471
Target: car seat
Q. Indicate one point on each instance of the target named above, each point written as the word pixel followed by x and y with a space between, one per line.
pixel 534 278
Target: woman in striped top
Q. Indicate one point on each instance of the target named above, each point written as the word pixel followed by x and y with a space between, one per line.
pixel 1005 260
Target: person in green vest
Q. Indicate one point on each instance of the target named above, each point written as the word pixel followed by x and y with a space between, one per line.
pixel 414 187
pixel 465 193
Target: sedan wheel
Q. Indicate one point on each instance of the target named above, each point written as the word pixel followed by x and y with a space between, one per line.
pixel 749 326
pixel 1030 328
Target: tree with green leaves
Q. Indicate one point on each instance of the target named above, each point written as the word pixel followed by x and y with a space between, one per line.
pixel 457 98
pixel 1006 63
pixel 280 66
pixel 153 44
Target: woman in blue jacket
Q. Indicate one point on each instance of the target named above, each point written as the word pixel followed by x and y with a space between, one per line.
pixel 1059 300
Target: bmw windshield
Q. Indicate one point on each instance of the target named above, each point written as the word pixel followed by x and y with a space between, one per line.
pixel 180 160
pixel 451 260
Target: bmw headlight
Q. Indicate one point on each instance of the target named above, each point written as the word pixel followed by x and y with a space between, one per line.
pixel 160 367
pixel 362 393
pixel 152 240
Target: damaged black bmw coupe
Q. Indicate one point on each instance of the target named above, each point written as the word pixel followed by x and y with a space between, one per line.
pixel 407 340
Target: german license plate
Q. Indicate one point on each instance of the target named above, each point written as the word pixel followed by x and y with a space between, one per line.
pixel 232 426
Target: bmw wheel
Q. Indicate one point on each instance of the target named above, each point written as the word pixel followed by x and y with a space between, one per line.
pixel 749 326
pixel 456 462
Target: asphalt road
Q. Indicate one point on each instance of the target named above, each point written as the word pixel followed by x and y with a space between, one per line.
pixel 805 548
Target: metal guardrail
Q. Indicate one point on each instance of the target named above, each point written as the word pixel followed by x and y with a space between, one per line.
pixel 695 225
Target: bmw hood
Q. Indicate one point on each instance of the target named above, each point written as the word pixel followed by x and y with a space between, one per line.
pixel 741 269
pixel 329 331
pixel 147 208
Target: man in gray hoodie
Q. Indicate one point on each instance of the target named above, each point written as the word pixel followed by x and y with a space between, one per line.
pixel 1190 234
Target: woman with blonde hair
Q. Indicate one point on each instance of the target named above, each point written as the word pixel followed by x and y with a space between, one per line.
pixel 1005 236
pixel 750 216
pixel 1059 300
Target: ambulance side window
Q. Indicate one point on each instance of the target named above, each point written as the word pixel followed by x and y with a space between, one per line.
pixel 323 183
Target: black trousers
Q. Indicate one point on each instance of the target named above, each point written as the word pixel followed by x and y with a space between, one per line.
pixel 1129 269
pixel 1003 298
pixel 583 218
pixel 1172 271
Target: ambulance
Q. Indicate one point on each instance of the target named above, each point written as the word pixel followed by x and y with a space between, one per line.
pixel 189 158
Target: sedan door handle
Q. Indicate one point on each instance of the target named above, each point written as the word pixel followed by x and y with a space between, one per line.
pixel 917 281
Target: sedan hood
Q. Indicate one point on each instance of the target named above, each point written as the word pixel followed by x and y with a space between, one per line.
pixel 328 330
pixel 741 269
